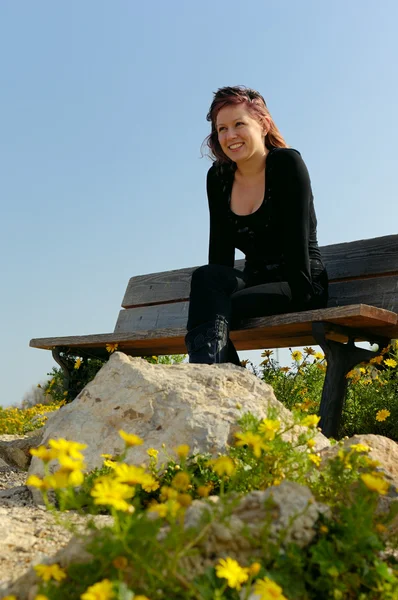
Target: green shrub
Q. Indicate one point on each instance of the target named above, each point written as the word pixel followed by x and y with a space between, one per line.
pixel 147 552
pixel 371 404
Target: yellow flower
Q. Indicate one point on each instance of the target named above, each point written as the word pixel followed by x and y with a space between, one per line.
pixel 267 353
pixel 140 597
pixel 77 364
pixel 223 465
pixel 9 597
pixel 161 509
pixel 133 475
pixel 68 464
pixel 352 374
pixel 268 427
pixel 111 347
pixel 382 415
pixel 360 448
pixel 297 356
pixel 130 438
pixel 310 421
pixel 373 464
pixel 152 453
pixel 36 482
pixel 167 493
pixel 113 493
pixel 268 590
pixel 204 490
pixel 251 439
pixel 311 443
pixel 182 450
pixel 254 569
pixel 149 484
pixel 376 360
pixel 323 529
pixel 376 483
pixel 285 369
pixel 108 456
pixel 67 447
pixel 103 590
pixel 181 482
pixel 58 480
pixel 319 355
pixel 390 362
pixel 47 572
pixel 129 474
pixel 380 528
pixel 184 500
pixel 315 459
pixel 230 569
pixel 41 597
pixel 120 562
pixel 308 350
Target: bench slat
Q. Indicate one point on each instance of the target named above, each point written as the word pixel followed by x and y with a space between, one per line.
pixel 381 292
pixel 359 259
pixel 278 331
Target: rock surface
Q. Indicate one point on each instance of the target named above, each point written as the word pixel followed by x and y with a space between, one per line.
pixel 29 535
pixel 163 404
pixel 288 507
pixel 14 450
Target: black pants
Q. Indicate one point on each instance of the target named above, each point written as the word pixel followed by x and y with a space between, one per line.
pixel 221 290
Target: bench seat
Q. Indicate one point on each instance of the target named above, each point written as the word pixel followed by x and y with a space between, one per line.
pixel 279 331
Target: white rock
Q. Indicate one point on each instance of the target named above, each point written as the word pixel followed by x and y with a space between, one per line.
pixel 163 404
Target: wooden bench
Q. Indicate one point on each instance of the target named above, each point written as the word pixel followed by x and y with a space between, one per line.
pixel 363 306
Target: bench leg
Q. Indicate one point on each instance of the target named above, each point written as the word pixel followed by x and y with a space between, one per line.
pixel 341 358
pixel 64 366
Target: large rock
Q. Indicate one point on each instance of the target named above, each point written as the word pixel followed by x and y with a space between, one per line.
pixel 163 404
pixel 14 450
pixel 382 449
pixel 289 508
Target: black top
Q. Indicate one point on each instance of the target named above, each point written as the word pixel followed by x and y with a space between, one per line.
pixel 279 239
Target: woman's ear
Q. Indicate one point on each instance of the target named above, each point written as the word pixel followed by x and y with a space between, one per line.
pixel 266 126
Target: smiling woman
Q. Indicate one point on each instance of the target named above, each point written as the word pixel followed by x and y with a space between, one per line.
pixel 260 201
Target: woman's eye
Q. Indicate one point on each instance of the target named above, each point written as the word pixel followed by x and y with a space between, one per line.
pixel 240 123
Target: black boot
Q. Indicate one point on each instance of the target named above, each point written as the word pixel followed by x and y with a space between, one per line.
pixel 208 343
pixel 232 355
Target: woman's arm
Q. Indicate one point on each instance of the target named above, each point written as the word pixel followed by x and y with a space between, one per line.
pixel 221 247
pixel 293 194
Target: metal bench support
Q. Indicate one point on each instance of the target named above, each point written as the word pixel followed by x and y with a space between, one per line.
pixel 341 358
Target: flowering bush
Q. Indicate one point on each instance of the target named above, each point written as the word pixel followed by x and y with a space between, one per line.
pixel 143 555
pixel 19 421
pixel 371 402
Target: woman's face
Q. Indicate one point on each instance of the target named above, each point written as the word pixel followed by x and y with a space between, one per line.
pixel 240 135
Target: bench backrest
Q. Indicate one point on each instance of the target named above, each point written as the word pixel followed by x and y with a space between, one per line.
pixel 360 272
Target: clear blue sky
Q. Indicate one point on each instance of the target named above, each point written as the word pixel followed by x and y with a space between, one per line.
pixel 103 108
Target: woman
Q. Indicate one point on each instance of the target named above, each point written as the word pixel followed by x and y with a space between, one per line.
pixel 260 201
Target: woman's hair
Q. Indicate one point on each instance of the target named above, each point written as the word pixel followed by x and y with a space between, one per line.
pixel 255 104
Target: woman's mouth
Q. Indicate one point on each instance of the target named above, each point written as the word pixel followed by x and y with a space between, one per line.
pixel 236 147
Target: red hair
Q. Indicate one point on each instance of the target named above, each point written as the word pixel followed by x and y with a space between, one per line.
pixel 255 104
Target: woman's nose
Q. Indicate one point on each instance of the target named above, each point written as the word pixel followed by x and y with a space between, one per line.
pixel 231 134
